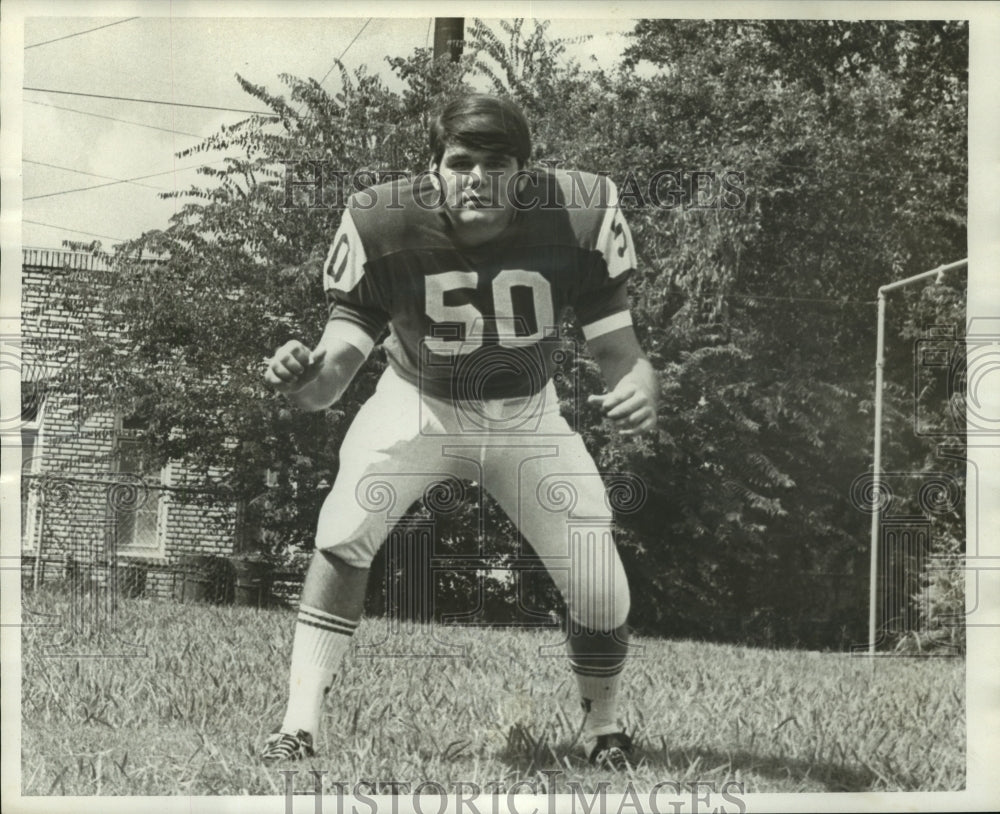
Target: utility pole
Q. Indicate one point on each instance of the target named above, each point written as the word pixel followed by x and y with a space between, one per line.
pixel 448 35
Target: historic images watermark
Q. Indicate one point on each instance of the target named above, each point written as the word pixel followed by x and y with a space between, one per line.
pixel 412 592
pixel 960 372
pixel 953 372
pixel 428 797
pixel 319 184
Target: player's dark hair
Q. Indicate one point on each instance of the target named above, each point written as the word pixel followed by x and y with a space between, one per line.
pixel 482 122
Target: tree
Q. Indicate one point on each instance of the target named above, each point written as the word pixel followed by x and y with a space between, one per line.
pixel 838 127
pixel 236 274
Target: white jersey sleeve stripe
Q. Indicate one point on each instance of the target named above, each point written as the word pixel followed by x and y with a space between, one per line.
pixel 352 334
pixel 606 325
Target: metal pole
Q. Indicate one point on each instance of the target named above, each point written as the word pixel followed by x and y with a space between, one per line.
pixel 877 464
pixel 940 270
pixel 36 571
pixel 877 473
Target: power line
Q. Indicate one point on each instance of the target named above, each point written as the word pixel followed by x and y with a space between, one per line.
pixel 800 299
pixel 79 33
pixel 75 231
pixel 84 172
pixel 342 54
pixel 348 48
pixel 112 118
pixel 111 183
pixel 839 171
pixel 153 101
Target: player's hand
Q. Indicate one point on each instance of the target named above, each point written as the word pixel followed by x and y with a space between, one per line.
pixel 292 367
pixel 630 408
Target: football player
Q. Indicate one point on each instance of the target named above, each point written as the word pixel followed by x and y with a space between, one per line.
pixel 471 266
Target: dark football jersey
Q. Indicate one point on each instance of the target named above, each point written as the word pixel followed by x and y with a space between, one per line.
pixel 480 323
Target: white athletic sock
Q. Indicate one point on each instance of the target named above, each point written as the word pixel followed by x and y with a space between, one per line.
pixel 321 639
pixel 599 697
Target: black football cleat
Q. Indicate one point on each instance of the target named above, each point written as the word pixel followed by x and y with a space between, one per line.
pixel 612 752
pixel 285 746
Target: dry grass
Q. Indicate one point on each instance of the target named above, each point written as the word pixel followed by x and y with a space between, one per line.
pixel 188 718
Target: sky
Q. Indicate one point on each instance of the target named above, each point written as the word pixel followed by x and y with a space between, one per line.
pixel 71 142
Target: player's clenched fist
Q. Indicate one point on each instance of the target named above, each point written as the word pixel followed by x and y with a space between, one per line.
pixel 292 367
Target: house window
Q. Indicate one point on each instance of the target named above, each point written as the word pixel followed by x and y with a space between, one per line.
pixel 141 531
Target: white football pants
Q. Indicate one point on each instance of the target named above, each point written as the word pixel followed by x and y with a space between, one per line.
pixel 521 450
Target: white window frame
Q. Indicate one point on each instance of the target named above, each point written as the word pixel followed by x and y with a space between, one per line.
pixel 162 497
pixel 31 529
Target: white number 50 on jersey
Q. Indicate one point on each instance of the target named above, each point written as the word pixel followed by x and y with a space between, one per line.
pixel 438 285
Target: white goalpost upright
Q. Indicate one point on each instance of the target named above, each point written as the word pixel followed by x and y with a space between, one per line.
pixel 877 465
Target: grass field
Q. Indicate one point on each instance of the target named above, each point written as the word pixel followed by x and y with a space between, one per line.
pixel 189 718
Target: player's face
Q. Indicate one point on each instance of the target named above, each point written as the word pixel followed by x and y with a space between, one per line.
pixel 478 186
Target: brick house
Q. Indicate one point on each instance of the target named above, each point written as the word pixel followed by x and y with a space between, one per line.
pixel 89 505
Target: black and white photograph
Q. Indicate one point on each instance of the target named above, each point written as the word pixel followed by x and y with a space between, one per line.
pixel 523 407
